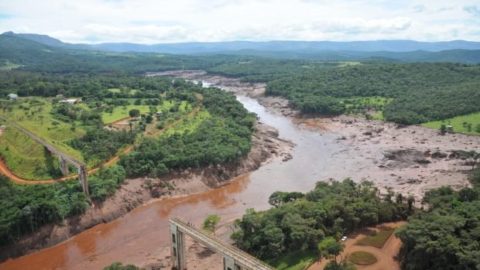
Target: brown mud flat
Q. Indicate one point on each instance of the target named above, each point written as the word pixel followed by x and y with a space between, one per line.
pixel 135 192
pixel 337 147
pixel 427 161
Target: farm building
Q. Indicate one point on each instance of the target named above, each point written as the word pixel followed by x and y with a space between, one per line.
pixel 12 96
pixel 71 100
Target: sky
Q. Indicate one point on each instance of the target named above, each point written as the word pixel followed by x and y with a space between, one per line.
pixel 159 21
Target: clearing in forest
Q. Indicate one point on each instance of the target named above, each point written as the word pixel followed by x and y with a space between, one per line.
pixel 73 129
pixel 467 124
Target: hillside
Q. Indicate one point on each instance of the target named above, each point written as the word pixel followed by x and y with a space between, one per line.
pixel 383 50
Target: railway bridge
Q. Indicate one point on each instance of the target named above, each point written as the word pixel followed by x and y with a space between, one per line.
pixel 63 158
pixel 233 258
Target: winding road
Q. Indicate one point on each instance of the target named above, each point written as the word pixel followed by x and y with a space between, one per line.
pixel 23 181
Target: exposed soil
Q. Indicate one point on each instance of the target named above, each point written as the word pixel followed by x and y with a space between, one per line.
pixel 410 160
pixel 134 192
pixel 385 255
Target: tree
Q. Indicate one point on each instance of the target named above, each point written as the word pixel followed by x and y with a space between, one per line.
pixel 210 223
pixel 134 113
pixel 343 265
pixel 329 247
pixel 120 266
pixel 443 129
pixel 148 119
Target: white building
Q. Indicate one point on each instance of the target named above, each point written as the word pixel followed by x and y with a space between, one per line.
pixel 12 96
pixel 71 100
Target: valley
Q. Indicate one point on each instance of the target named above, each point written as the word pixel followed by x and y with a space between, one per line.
pixel 302 157
pixel 324 148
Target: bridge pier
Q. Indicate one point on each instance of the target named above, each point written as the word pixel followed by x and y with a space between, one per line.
pixel 63 158
pixel 229 263
pixel 233 258
pixel 63 166
pixel 82 177
pixel 177 248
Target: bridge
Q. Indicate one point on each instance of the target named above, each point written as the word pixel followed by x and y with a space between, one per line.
pixel 233 258
pixel 63 158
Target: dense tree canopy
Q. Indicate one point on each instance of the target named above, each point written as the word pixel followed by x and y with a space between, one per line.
pixel 421 92
pixel 447 236
pixel 27 207
pixel 301 222
pixel 222 138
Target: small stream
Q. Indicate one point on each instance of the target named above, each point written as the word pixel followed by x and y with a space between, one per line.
pixel 142 233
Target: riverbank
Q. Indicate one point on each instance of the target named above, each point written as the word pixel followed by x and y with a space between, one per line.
pixel 410 160
pixel 321 151
pixel 135 192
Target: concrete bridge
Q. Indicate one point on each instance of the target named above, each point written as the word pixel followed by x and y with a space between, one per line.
pixel 233 258
pixel 63 158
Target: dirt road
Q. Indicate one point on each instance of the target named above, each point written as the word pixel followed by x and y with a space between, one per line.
pixel 385 255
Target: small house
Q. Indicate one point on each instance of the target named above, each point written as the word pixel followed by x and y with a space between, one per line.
pixel 12 96
pixel 71 101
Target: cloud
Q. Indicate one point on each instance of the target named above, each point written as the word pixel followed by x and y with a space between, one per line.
pixel 473 10
pixel 155 21
pixel 4 16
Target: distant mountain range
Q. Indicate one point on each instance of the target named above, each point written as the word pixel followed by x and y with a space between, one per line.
pixel 381 50
pixel 270 46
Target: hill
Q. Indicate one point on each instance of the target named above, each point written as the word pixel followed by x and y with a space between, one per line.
pixel 381 50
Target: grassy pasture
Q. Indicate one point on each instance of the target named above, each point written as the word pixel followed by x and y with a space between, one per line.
pixel 28 159
pixel 121 112
pixel 188 124
pixel 459 123
pixel 362 258
pixel 34 115
pixel 373 105
pixel 377 239
pixel 25 157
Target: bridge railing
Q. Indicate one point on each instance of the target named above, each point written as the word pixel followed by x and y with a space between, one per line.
pixel 239 256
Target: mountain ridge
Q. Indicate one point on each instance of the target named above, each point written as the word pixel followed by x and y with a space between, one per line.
pixel 28 49
pixel 275 45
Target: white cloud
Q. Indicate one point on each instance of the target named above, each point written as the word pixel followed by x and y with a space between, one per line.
pixel 154 21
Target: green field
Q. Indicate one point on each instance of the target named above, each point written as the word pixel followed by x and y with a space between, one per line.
pixel 25 157
pixel 374 106
pixel 29 160
pixel 121 112
pixel 362 258
pixel 188 124
pixel 377 239
pixel 295 261
pixel 460 124
pixel 34 115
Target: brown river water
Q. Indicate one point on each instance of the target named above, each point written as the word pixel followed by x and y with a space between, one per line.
pixel 140 234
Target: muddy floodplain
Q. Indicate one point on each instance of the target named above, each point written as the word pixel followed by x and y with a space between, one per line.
pixel 410 160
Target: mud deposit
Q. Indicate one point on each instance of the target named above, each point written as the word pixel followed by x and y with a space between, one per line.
pixel 410 160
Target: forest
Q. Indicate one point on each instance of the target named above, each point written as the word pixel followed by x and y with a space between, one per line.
pixel 25 208
pixel 447 234
pixel 196 126
pixel 222 138
pixel 300 221
pixel 420 92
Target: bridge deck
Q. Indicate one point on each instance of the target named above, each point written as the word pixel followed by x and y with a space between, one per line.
pixel 243 258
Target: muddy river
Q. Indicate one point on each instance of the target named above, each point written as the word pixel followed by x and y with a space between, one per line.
pixel 142 233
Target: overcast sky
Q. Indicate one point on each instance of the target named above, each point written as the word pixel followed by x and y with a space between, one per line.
pixel 157 21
